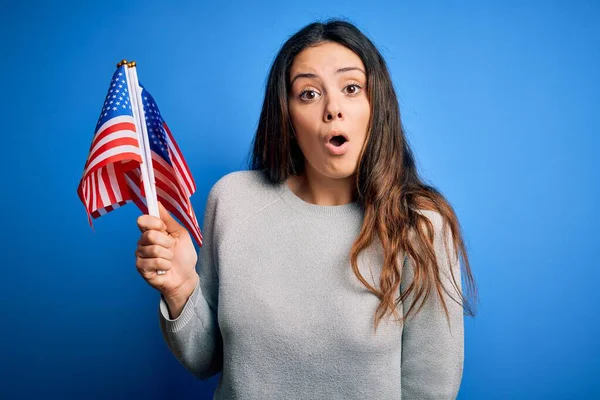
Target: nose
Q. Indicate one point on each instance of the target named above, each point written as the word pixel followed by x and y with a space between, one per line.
pixel 330 115
pixel 333 110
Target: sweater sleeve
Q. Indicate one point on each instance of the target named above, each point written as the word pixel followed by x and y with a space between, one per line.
pixel 432 349
pixel 194 337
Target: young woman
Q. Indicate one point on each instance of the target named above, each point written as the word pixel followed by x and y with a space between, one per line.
pixel 329 270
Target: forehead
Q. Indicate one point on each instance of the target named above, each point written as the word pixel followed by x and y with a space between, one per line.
pixel 325 58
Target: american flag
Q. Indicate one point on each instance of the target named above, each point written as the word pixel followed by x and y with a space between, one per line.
pixel 112 175
pixel 174 181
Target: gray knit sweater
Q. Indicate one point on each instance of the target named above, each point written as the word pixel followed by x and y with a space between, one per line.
pixel 279 312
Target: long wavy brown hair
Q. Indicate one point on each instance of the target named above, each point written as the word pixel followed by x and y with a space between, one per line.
pixel 388 186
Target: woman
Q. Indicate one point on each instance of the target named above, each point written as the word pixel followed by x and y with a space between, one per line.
pixel 329 270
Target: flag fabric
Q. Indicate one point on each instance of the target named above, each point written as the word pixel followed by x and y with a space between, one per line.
pixel 112 174
pixel 115 149
pixel 174 181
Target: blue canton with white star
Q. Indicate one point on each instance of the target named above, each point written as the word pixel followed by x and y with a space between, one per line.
pixel 154 125
pixel 116 103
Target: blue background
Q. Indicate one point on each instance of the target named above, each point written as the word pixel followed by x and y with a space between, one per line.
pixel 500 104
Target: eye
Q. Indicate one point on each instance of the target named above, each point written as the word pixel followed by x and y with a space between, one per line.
pixel 312 92
pixel 356 89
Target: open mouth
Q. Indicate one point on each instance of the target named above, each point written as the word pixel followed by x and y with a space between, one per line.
pixel 337 141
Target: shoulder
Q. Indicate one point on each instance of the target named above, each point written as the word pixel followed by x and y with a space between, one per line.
pixel 436 219
pixel 238 183
pixel 442 233
pixel 443 239
pixel 241 193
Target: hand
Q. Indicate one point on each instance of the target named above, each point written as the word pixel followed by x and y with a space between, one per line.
pixel 165 245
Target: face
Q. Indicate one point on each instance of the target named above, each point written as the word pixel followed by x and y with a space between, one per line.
pixel 329 108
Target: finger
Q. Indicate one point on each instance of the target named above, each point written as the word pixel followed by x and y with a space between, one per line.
pixel 171 225
pixel 154 251
pixel 156 237
pixel 148 222
pixel 148 266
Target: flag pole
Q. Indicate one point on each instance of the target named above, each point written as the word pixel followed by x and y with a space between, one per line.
pixel 146 168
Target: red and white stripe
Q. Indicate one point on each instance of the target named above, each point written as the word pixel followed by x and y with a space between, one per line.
pixel 184 212
pixel 114 150
pixel 112 176
pixel 181 168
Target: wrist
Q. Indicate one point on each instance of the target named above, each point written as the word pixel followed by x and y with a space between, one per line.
pixel 183 293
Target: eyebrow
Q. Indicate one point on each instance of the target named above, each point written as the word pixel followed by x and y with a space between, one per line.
pixel 339 71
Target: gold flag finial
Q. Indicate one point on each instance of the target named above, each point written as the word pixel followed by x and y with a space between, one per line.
pixel 131 64
pixel 122 62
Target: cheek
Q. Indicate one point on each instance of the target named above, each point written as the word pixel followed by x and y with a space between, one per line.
pixel 365 110
pixel 362 115
pixel 306 126
pixel 302 120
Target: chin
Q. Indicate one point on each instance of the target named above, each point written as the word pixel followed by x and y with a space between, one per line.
pixel 339 172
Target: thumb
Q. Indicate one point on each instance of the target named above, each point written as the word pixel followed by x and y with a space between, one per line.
pixel 172 225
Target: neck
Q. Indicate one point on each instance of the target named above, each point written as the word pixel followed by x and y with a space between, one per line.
pixel 321 190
